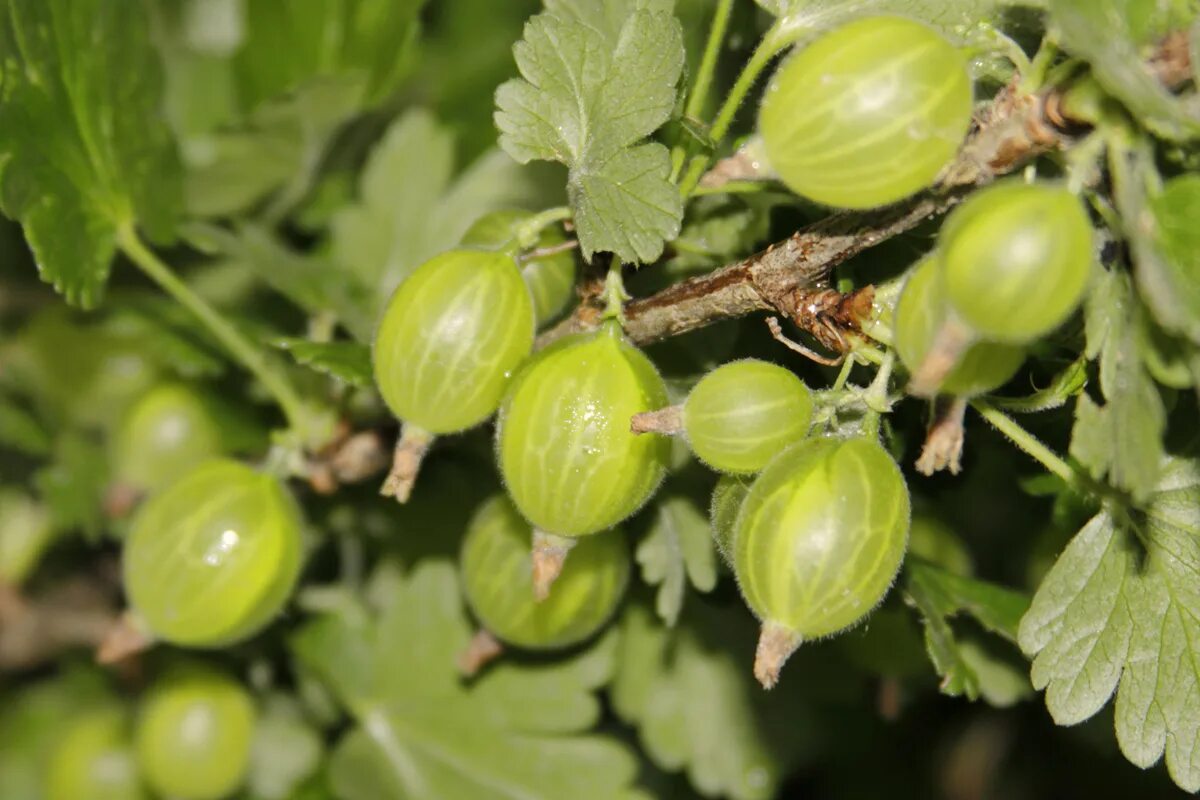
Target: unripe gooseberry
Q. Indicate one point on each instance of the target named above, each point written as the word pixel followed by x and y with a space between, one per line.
pixel 497 569
pixel 920 314
pixel 214 556
pixel 162 436
pixel 727 498
pixel 868 113
pixel 26 530
pixel 568 457
pixel 93 759
pixel 194 733
pixel 550 278
pixel 742 414
pixel 450 338
pixel 818 542
pixel 1016 259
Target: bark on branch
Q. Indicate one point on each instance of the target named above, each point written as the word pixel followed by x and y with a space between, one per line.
pixel 1009 131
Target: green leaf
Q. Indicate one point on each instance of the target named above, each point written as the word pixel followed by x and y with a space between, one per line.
pixel 422 733
pixel 72 485
pixel 677 548
pixel 21 431
pixel 310 280
pixel 1109 34
pixel 966 669
pixel 25 533
pixel 690 692
pixel 1168 263
pixel 1120 610
pixel 286 749
pixel 1065 385
pixel 596 81
pixel 1122 439
pixel 409 210
pixel 346 361
pixel 287 44
pixel 83 150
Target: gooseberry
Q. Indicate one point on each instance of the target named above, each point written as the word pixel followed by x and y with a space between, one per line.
pixel 550 278
pixel 742 414
pixel 194 733
pixel 867 114
pixel 164 434
pixel 818 542
pixel 920 314
pixel 450 337
pixel 497 569
pixel 571 464
pixel 727 498
pixel 93 759
pixel 214 556
pixel 26 530
pixel 1016 259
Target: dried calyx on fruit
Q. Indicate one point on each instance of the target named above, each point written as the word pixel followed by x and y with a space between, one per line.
pixel 817 543
pixel 450 338
pixel 568 458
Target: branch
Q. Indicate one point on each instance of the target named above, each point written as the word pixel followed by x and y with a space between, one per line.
pixel 1009 131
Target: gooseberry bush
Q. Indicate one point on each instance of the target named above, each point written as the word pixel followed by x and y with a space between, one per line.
pixel 545 399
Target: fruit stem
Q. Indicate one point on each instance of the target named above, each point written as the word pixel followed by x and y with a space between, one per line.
pixel 411 447
pixel 1029 443
pixel 775 646
pixel 614 294
pixel 527 232
pixel 666 421
pixel 766 50
pixel 549 554
pixel 483 649
pixel 708 62
pixel 243 351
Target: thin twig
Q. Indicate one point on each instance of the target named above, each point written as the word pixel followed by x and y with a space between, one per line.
pixel 1009 131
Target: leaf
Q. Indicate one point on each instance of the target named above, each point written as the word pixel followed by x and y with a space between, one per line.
pixel 421 733
pixel 690 692
pixel 25 533
pixel 1065 385
pixel 1123 438
pixel 309 280
pixel 82 148
pixel 288 44
pixel 966 669
pixel 409 210
pixel 1109 35
pixel 285 751
pixel 21 431
pixel 677 548
pixel 596 81
pixel 1120 610
pixel 72 485
pixel 1168 257
pixel 346 361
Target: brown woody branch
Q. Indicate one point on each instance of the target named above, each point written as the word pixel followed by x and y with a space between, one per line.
pixel 788 276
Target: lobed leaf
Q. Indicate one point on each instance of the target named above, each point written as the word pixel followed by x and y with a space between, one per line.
pixel 347 361
pixel 967 668
pixel 83 150
pixel 1124 438
pixel 596 81
pixel 422 733
pixel 1120 611
pixel 677 549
